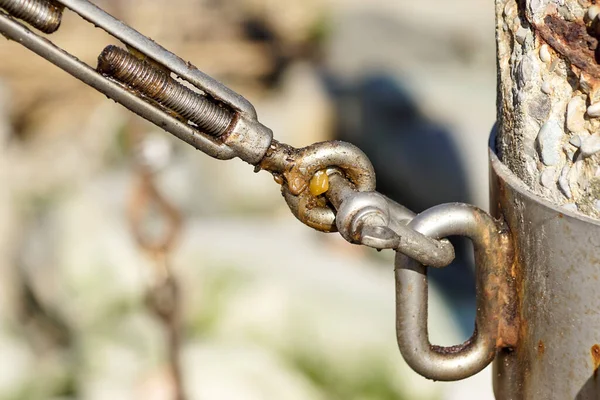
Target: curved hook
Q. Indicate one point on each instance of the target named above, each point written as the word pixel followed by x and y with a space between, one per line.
pixel 319 218
pixel 349 159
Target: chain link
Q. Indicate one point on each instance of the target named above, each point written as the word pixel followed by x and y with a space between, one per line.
pixel 147 208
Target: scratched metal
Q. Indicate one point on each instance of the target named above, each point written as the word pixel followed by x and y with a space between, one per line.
pixel 558 280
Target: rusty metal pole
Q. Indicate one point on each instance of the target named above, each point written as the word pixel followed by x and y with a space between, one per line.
pixel 557 270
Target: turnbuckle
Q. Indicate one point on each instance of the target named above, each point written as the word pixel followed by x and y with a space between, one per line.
pixel 210 117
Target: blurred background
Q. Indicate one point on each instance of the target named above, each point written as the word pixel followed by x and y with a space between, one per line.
pixel 249 302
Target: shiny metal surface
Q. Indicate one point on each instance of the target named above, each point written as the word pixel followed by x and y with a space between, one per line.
pixel 373 220
pixel 493 259
pixel 557 273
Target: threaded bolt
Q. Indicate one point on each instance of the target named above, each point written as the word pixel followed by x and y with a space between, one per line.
pixel 158 85
pixel 41 14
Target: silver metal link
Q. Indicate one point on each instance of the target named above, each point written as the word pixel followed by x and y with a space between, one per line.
pixel 492 256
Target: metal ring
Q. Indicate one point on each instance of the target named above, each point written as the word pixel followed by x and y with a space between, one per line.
pixel 319 218
pixel 492 256
pixel 334 154
pixel 337 154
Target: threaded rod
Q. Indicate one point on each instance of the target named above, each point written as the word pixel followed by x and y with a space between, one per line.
pixel 41 14
pixel 157 85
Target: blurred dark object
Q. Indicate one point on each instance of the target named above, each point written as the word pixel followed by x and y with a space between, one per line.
pixel 417 164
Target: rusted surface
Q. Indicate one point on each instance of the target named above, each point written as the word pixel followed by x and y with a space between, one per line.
pixel 556 260
pixel 144 197
pixel 595 351
pixel 43 15
pixel 496 321
pixel 456 349
pixel 509 323
pixel 541 348
pixel 162 297
pixel 278 159
pixel 296 168
pixel 156 84
pixel 572 40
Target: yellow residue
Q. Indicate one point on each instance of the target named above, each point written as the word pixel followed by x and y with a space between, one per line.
pixel 319 183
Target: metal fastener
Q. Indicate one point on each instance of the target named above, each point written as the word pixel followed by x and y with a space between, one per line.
pixel 41 14
pixel 156 84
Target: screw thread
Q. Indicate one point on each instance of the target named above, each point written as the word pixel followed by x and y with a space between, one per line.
pixel 157 85
pixel 40 14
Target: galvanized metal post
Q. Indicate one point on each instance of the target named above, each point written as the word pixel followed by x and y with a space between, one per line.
pixel 557 270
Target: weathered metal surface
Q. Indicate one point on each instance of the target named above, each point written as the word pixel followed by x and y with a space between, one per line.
pixel 156 83
pixel 90 12
pixel 557 272
pixel 493 259
pixel 295 168
pixel 572 40
pixel 41 14
pixel 373 220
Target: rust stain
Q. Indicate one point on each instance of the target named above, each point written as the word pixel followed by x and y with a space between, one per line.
pixel 297 182
pixel 572 40
pixel 541 349
pixel 596 359
pixel 459 348
pixel 280 158
pixel 509 324
pixel 278 179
